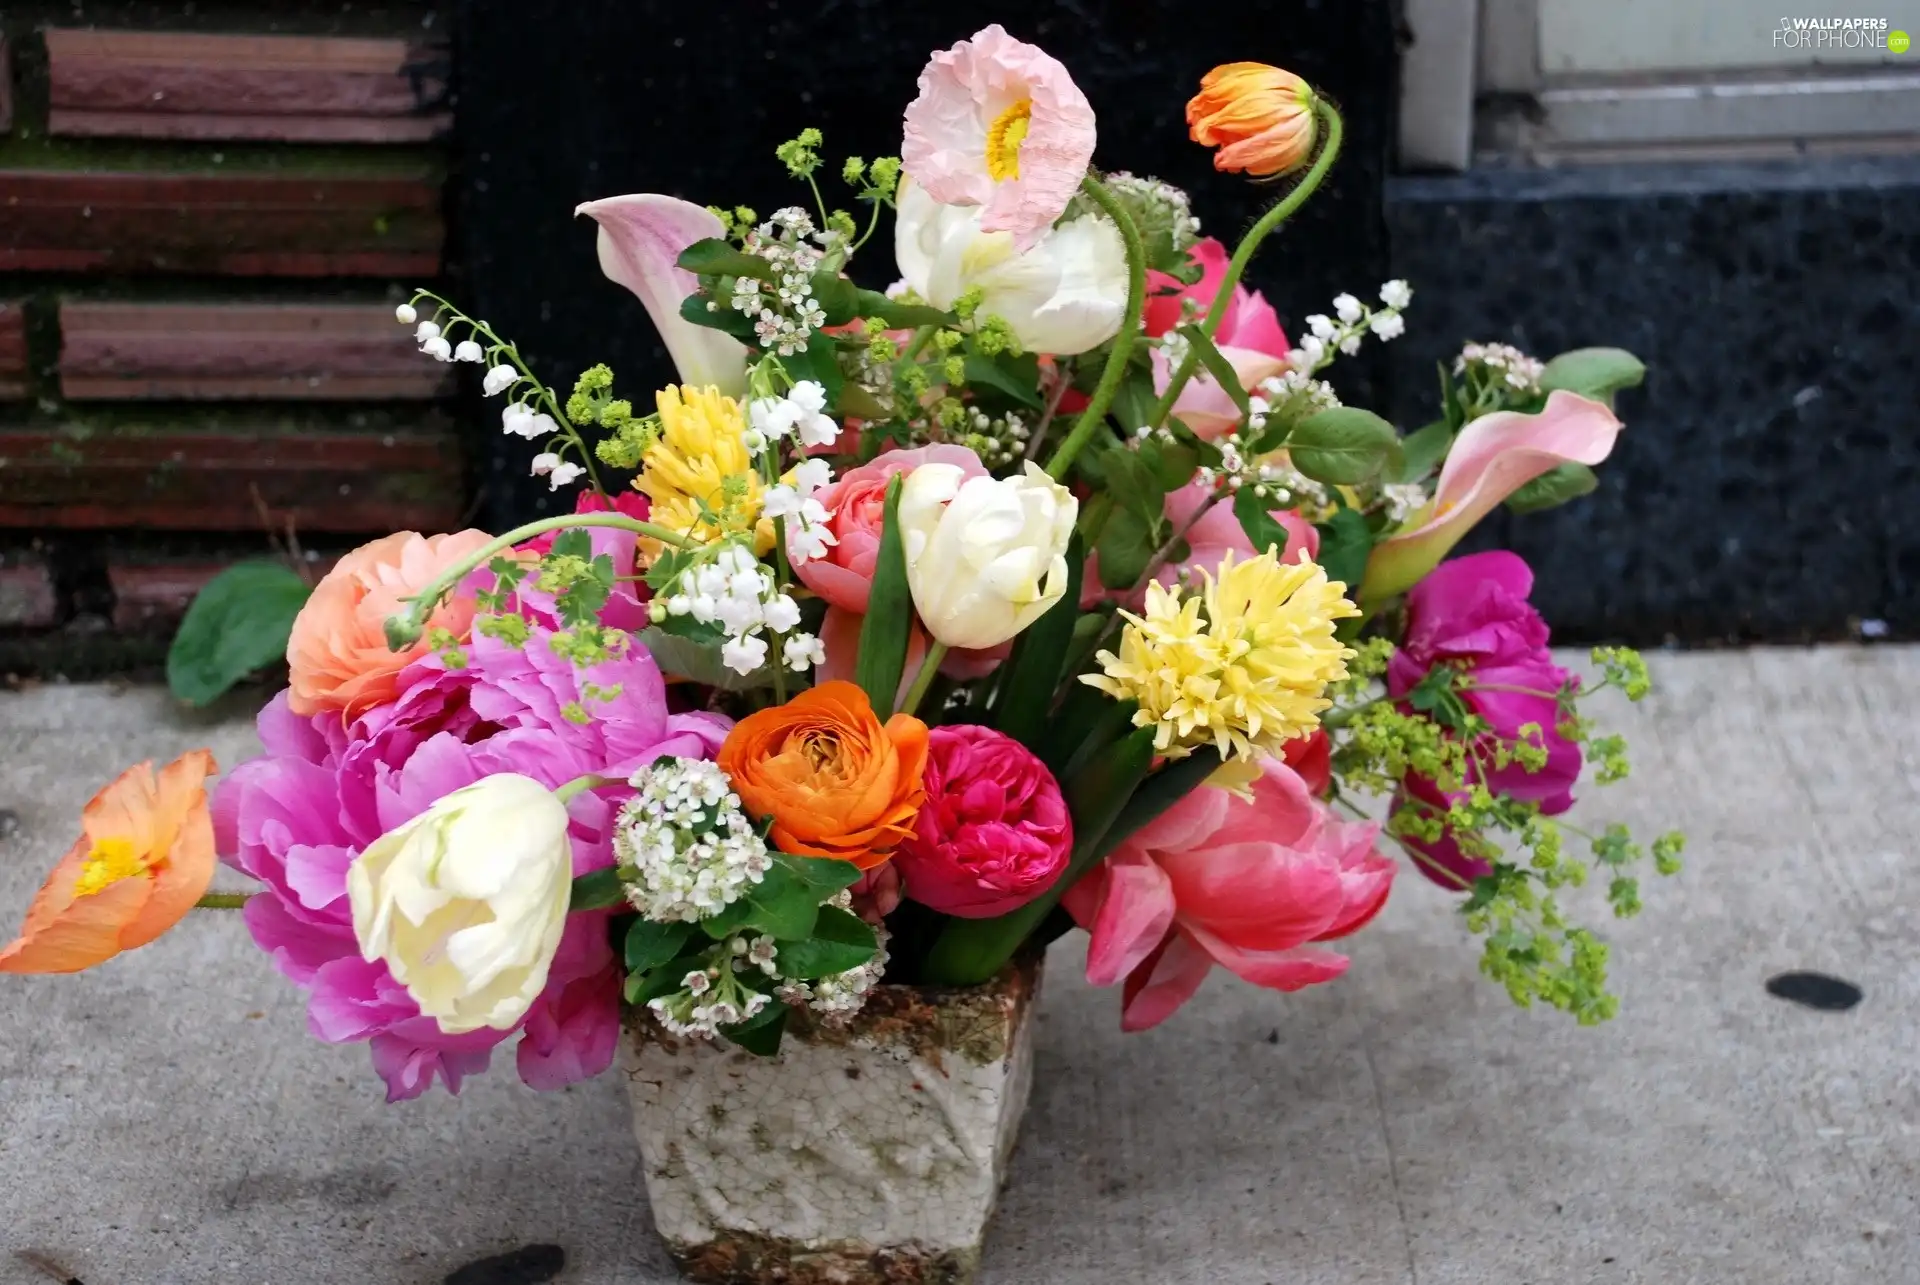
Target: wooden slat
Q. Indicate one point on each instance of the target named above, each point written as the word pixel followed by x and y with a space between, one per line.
pixel 117 351
pixel 152 597
pixel 250 225
pixel 13 352
pixel 27 599
pixel 148 84
pixel 177 480
pixel 6 88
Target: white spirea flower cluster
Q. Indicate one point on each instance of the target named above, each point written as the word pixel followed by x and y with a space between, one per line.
pixel 1517 368
pixel 1403 499
pixel 785 312
pixel 1184 227
pixel 1351 322
pixel 686 850
pixel 684 1013
pixel 839 996
pixel 734 592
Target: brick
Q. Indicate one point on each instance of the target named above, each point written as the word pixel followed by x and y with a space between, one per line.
pixel 13 352
pixel 154 597
pixel 27 600
pixel 147 84
pixel 244 224
pixel 180 480
pixel 112 351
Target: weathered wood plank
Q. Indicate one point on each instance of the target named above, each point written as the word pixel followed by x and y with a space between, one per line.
pixel 250 225
pixel 6 87
pixel 13 352
pixel 176 480
pixel 27 599
pixel 295 88
pixel 201 351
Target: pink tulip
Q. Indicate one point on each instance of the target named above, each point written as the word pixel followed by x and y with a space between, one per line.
pixel 1216 879
pixel 1249 338
pixel 641 238
pixel 1493 457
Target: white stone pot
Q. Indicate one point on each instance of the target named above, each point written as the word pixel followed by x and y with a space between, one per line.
pixel 871 1152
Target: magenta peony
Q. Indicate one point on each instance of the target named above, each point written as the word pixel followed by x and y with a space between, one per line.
pixel 627 605
pixel 1218 879
pixel 1472 613
pixel 296 818
pixel 994 832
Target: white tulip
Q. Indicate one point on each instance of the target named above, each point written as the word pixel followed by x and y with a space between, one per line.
pixel 466 902
pixel 1065 295
pixel 986 556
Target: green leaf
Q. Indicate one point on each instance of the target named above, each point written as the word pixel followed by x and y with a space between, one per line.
pixel 1134 399
pixel 1593 372
pixel 838 297
pixel 783 906
pixel 1345 542
pixel 969 951
pixel 826 875
pixel 664 980
pixel 1135 485
pixel 651 944
pixel 818 362
pixel 1017 377
pixel 883 633
pixel 700 662
pixel 840 941
pixel 1553 488
pixel 1422 451
pixel 1033 671
pixel 897 315
pixel 716 257
pixel 1343 445
pixel 1172 462
pixel 760 1034
pixel 722 316
pixel 1126 547
pixel 238 623
pixel 1258 522
pixel 1218 366
pixel 597 891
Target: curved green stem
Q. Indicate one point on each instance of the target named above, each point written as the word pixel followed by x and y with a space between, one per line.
pixel 1243 253
pixel 580 783
pixel 223 901
pixel 1116 367
pixel 930 666
pixel 404 628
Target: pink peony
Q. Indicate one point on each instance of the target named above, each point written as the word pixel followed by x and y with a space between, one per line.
pixel 994 833
pixel 627 605
pixel 296 818
pixel 1249 338
pixel 1472 613
pixel 999 123
pixel 1216 879
pixel 856 504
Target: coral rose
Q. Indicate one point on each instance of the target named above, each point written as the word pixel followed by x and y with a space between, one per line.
pixel 856 512
pixel 835 781
pixel 144 856
pixel 994 832
pixel 338 654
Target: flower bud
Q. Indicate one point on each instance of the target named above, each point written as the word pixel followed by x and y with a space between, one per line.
pixel 1259 117
pixel 986 556
pixel 465 903
pixel 405 314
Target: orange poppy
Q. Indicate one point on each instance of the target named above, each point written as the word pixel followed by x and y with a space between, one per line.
pixel 144 857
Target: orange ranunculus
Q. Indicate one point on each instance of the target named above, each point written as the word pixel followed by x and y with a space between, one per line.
pixel 1260 117
pixel 338 654
pixel 144 856
pixel 836 782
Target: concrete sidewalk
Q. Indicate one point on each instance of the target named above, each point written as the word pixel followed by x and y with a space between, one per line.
pixel 167 1118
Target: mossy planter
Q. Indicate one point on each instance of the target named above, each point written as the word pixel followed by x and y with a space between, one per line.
pixel 870 1152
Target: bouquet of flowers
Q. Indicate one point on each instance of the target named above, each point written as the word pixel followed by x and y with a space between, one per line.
pixel 1053 585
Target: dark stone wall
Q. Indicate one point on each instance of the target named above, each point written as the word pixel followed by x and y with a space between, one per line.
pixel 599 97
pixel 1768 482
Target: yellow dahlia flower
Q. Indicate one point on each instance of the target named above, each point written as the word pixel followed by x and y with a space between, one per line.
pixel 700 458
pixel 1241 665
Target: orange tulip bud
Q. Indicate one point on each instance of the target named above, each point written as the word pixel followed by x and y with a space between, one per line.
pixel 1259 117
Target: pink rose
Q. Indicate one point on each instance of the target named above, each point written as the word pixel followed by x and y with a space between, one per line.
pixel 994 832
pixel 1249 338
pixel 1216 879
pixel 856 504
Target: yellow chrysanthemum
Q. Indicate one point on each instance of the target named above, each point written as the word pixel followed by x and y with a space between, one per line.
pixel 1242 665
pixel 699 458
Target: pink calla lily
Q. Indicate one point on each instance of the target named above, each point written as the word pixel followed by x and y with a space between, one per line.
pixel 1493 457
pixel 641 237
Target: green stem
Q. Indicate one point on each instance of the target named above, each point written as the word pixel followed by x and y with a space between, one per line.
pixel 405 627
pixel 223 901
pixel 580 783
pixel 919 341
pixel 1243 253
pixel 1116 368
pixel 936 652
pixel 1334 719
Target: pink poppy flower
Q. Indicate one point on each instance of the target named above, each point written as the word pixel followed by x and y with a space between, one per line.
pixel 999 123
pixel 1217 879
pixel 1493 457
